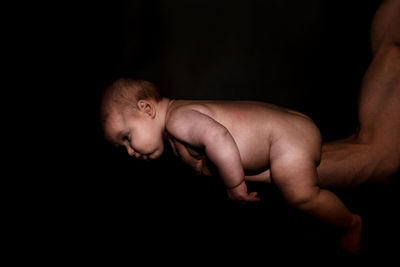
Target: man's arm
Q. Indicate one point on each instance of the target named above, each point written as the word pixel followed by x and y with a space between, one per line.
pixel 373 153
pixel 199 130
pixel 385 25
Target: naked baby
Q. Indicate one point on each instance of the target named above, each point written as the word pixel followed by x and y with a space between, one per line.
pixel 250 141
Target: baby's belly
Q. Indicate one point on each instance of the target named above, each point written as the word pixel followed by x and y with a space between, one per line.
pixel 203 166
pixel 255 160
pixel 253 146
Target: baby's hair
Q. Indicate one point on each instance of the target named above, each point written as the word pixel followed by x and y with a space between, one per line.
pixel 126 92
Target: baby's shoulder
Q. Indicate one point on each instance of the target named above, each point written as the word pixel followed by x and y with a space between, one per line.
pixel 188 121
pixel 183 108
pixel 182 114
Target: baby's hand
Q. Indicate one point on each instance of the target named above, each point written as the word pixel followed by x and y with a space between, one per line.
pixel 239 194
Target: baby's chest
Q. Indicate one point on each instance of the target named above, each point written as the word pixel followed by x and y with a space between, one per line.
pixel 185 151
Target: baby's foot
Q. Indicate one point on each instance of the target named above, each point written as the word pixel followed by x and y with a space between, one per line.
pixel 351 240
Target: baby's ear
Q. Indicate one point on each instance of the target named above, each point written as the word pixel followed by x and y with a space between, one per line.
pixel 147 107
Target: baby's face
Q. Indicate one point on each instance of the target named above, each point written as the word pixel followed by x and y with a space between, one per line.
pixel 136 131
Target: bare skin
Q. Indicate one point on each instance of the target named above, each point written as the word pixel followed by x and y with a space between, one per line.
pixel 264 143
pixel 372 154
pixel 240 140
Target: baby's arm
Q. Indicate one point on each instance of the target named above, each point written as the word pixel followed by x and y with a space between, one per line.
pixel 199 130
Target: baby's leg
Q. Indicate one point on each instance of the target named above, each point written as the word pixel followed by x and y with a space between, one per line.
pixel 296 177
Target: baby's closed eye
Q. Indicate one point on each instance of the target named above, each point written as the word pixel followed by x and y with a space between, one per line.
pixel 126 137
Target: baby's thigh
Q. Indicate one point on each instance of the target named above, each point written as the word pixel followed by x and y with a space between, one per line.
pixel 294 159
pixel 303 144
pixel 295 176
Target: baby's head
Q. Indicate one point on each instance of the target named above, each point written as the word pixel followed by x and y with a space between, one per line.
pixel 132 114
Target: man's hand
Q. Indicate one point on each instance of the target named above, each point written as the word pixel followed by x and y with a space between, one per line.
pixel 239 194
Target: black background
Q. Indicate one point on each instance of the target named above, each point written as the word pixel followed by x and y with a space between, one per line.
pixel 306 55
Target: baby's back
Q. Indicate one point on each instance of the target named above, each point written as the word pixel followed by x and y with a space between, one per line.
pixel 253 125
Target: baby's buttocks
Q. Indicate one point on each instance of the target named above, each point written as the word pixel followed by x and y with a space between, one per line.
pixel 255 126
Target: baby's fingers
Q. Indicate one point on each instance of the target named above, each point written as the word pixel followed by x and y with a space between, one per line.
pixel 253 197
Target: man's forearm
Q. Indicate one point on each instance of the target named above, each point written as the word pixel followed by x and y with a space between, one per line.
pixel 373 153
pixel 345 164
